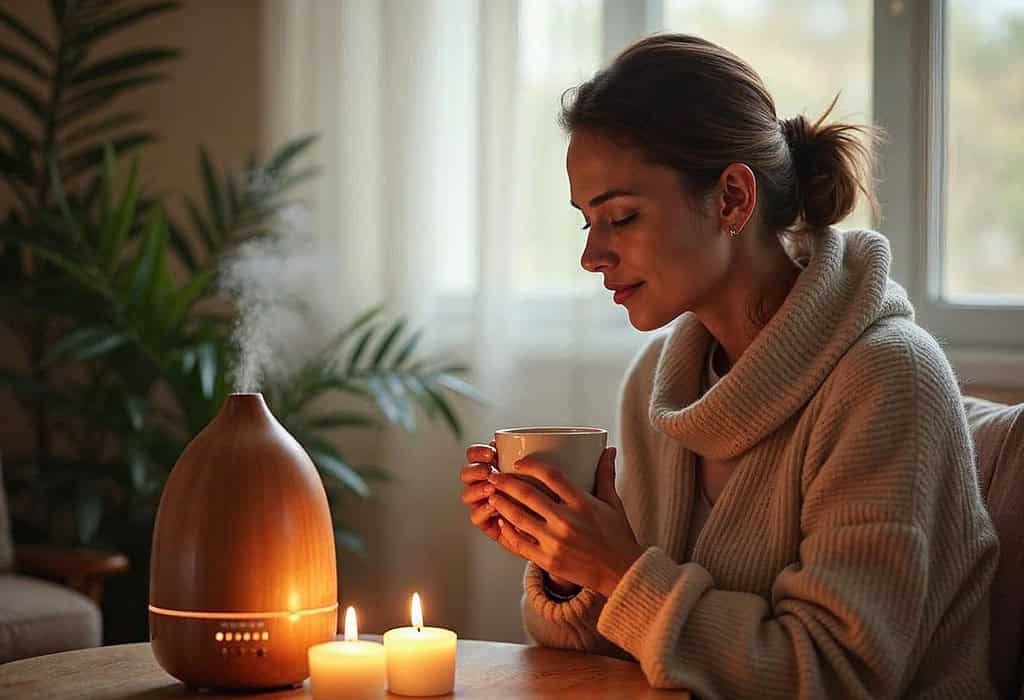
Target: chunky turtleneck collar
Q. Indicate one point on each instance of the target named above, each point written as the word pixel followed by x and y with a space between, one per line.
pixel 844 289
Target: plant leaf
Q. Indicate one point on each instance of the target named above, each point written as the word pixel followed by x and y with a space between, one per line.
pixel 85 343
pixel 350 540
pixel 147 265
pixel 290 150
pixel 187 295
pixel 407 349
pixel 19 28
pixel 120 21
pixel 387 342
pixel 381 394
pixel 207 356
pixel 89 131
pixel 123 219
pixel 24 95
pixel 95 97
pixel 209 236
pixel 446 411
pixel 129 60
pixel 460 387
pixel 86 158
pixel 333 466
pixel 360 348
pixel 182 247
pixel 211 186
pixel 12 55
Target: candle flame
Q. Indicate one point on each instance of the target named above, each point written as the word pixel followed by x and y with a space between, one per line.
pixel 351 630
pixel 417 612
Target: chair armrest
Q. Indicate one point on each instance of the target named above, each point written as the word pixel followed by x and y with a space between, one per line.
pixel 81 569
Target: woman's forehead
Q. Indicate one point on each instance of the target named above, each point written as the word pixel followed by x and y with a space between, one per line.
pixel 597 164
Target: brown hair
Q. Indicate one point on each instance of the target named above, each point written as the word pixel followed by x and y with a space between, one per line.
pixel 693 106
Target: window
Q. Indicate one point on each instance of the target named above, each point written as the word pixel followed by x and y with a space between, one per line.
pixel 942 77
pixel 983 223
pixel 559 47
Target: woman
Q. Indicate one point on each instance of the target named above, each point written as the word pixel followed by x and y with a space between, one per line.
pixel 799 512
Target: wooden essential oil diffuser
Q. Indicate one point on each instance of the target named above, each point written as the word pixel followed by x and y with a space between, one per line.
pixel 242 572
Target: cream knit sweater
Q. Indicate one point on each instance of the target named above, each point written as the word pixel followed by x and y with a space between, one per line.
pixel 850 554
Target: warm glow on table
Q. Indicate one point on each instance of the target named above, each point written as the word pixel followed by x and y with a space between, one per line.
pixel 420 660
pixel 348 670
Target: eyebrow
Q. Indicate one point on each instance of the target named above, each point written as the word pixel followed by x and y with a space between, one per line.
pixel 604 197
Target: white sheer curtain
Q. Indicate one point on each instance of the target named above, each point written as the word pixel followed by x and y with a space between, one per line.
pixel 444 191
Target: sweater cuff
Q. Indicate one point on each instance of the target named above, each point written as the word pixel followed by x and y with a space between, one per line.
pixel 632 613
pixel 577 608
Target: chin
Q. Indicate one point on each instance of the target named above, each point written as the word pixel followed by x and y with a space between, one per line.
pixel 644 321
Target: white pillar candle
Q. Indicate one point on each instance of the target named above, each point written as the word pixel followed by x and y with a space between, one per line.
pixel 421 660
pixel 348 670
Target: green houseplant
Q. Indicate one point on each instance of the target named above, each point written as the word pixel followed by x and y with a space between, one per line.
pixel 124 330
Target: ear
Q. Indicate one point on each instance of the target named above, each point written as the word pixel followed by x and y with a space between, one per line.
pixel 739 196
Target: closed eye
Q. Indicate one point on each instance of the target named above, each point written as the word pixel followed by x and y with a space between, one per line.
pixel 618 222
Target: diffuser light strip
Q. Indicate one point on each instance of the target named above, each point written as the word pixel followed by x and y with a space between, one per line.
pixel 242 615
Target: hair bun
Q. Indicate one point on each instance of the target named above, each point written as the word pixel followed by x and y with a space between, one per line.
pixel 831 163
pixel 799 135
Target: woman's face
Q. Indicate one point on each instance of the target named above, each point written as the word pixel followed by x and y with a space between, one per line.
pixel 661 253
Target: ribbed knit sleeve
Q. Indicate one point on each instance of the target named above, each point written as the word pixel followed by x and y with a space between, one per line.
pixel 570 624
pixel 888 595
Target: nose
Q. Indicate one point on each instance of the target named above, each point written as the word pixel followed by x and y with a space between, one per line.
pixel 597 256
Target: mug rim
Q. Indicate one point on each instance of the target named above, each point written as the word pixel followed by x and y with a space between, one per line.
pixel 551 430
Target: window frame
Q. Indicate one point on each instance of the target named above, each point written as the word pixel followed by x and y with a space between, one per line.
pixel 985 342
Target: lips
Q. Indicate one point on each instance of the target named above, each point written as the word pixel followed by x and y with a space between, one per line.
pixel 622 293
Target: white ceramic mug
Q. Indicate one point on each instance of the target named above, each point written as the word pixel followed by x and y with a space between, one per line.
pixel 572 450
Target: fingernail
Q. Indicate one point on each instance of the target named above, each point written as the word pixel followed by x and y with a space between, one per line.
pixel 488 508
pixel 488 490
pixel 501 523
pixel 491 500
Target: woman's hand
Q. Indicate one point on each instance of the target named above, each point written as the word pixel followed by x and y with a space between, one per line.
pixel 481 464
pixel 584 539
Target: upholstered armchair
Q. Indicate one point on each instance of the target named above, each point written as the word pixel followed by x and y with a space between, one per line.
pixel 49 598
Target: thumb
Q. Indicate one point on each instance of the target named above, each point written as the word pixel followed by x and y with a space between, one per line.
pixel 604 480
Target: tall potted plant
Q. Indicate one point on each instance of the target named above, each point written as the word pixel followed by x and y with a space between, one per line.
pixel 124 329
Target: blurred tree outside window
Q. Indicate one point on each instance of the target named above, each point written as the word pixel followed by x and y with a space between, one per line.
pixel 983 251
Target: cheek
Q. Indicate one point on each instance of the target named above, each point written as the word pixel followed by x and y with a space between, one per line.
pixel 685 267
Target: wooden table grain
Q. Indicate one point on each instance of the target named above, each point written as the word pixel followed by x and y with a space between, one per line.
pixel 484 671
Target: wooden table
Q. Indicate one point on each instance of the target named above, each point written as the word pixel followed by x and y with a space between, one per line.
pixel 485 670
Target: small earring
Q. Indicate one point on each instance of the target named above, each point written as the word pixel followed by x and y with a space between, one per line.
pixel 733 233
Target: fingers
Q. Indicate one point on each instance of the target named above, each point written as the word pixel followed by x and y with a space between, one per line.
pixel 517 542
pixel 472 473
pixel 604 479
pixel 476 492
pixel 552 478
pixel 523 518
pixel 528 493
pixel 485 519
pixel 481 453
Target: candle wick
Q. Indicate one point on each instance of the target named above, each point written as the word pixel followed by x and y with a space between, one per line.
pixel 418 628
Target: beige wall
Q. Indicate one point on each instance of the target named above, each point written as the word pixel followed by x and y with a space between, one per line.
pixel 214 95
